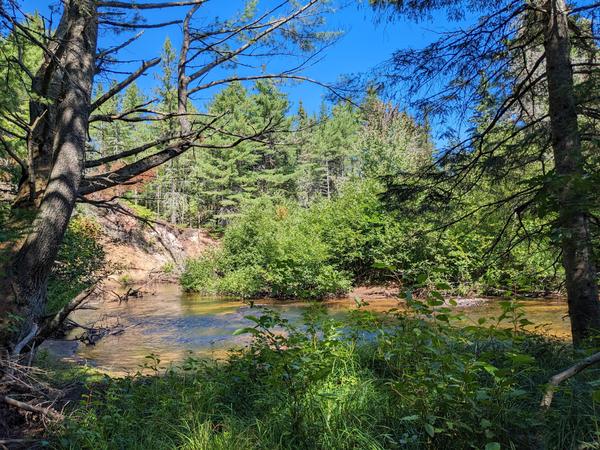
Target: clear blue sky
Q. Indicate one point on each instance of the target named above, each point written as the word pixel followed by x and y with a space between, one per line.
pixel 365 43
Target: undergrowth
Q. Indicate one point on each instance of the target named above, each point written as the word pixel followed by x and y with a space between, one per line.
pixel 276 248
pixel 387 381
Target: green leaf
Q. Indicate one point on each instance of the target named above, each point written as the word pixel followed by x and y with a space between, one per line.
pixel 410 418
pixel 437 295
pixel 490 369
pixel 245 330
pixel 252 318
pixel 596 396
pixel 482 394
pixel 520 359
pixel 492 446
pixel 429 429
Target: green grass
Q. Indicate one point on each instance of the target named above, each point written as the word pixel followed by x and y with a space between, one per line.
pixel 370 383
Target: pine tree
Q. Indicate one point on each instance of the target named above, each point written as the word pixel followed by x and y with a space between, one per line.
pixel 228 177
pixel 516 57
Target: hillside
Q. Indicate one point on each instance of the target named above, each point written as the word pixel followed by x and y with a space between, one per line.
pixel 138 247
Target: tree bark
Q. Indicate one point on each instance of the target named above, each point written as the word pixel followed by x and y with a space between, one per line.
pixel 66 133
pixel 571 187
pixel 46 85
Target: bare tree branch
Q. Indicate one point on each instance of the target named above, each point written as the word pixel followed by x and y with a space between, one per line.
pixel 115 4
pixel 565 375
pixel 108 51
pixel 123 84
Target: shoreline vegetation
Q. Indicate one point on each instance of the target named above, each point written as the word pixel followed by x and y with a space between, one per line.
pixel 275 248
pixel 327 384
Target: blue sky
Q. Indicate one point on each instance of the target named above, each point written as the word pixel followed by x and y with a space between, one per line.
pixel 366 42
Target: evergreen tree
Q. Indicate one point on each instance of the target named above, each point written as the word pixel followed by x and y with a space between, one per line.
pixel 391 142
pixel 19 56
pixel 521 60
pixel 226 177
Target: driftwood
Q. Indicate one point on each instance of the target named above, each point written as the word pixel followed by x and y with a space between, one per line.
pixel 48 412
pixel 61 316
pixel 4 442
pixel 565 375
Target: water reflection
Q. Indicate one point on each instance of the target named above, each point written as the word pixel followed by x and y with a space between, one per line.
pixel 172 324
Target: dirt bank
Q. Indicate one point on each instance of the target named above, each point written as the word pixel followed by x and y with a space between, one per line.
pixel 140 249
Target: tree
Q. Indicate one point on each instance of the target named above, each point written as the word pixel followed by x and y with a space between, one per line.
pixel 22 58
pixel 224 177
pixel 517 75
pixel 328 152
pixel 391 142
pixel 61 109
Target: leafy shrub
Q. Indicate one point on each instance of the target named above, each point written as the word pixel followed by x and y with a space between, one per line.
pixel 373 381
pixel 140 211
pixel 168 267
pixel 270 250
pixel 79 261
pixel 199 274
pixel 282 250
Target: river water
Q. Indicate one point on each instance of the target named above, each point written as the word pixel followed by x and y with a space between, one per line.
pixel 172 324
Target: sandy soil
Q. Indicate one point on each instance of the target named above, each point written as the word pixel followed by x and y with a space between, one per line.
pixel 139 251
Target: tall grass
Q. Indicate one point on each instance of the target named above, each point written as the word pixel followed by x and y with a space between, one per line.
pixel 373 382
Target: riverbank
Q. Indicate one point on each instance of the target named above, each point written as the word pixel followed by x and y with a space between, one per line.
pixel 474 387
pixel 141 248
pixel 173 324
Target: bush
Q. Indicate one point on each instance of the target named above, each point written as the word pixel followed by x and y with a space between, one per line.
pixel 377 382
pixel 270 250
pixel 79 261
pixel 199 274
pixel 282 250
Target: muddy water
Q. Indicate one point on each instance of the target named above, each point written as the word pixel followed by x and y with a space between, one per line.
pixel 172 324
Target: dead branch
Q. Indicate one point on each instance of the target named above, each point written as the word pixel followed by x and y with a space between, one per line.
pixel 109 4
pixel 123 84
pixel 124 174
pixel 565 375
pixel 131 152
pixel 13 155
pixel 26 340
pixel 55 322
pixel 103 54
pixel 49 412
pixel 4 442
pixel 277 24
pixel 138 25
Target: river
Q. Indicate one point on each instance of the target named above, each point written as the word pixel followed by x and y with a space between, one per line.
pixel 172 324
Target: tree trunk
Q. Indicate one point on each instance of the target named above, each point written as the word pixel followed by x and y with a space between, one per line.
pixel 66 134
pixel 46 85
pixel 581 282
pixel 173 192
